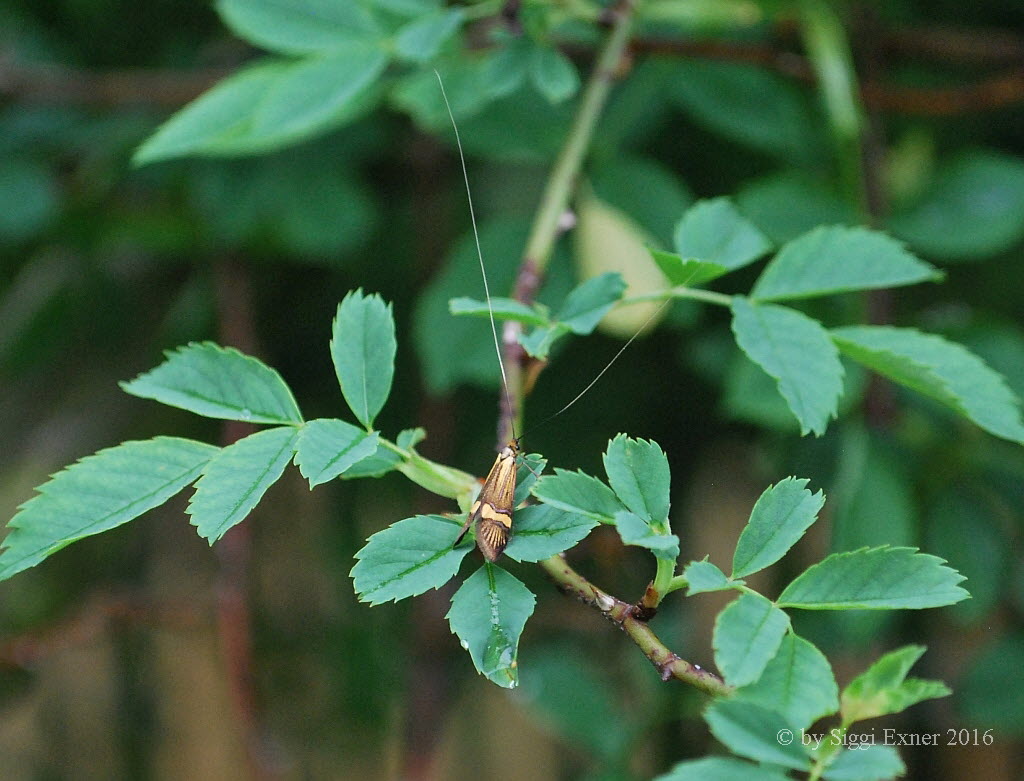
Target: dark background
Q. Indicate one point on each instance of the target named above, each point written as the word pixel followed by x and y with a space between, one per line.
pixel 142 653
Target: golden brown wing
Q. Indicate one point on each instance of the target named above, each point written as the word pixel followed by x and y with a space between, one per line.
pixel 500 485
pixel 492 511
pixel 491 538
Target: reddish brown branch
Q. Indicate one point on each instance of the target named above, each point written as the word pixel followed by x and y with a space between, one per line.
pixel 948 44
pixel 984 95
pixel 632 621
pixel 50 83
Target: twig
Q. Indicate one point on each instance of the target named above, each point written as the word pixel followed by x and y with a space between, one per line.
pixel 54 83
pixel 828 49
pixel 999 91
pixel 627 618
pixel 975 46
pixel 51 83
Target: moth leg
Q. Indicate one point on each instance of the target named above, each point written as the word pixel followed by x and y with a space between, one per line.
pixel 530 469
pixel 463 530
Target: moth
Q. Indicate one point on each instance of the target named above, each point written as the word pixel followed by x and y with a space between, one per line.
pixel 492 510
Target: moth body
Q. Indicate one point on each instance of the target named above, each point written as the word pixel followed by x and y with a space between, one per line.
pixel 492 510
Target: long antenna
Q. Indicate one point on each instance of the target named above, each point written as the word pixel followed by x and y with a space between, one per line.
pixel 479 253
pixel 487 291
pixel 607 366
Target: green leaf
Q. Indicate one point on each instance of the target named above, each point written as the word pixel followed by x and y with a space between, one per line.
pixel 837 259
pixel 634 530
pixel 752 731
pixel 305 204
pixel 752 396
pixel 363 349
pixel 577 492
pixel 465 85
pixel 589 301
pixel 437 478
pixel 538 342
pixel 218 382
pixel 721 769
pixel 942 370
pixel 881 578
pixel 638 473
pixel 646 190
pixel 506 67
pixel 866 763
pixel 1001 346
pixel 270 105
pixel 886 672
pixel 488 614
pixel 456 350
pixel 974 208
pixel 406 8
pixel 884 687
pixel 503 308
pixel 408 558
pixel 798 683
pixel 542 531
pixel 910 692
pixel 714 231
pixel 703 576
pixel 421 39
pixel 798 353
pixel 315 95
pixel 327 447
pixel 408 438
pixel 780 517
pixel 305 27
pixel 787 205
pixel 98 493
pixel 608 240
pixel 688 271
pixel 378 464
pixel 553 74
pixel 747 635
pixel 748 104
pixel 235 480
pixel 527 473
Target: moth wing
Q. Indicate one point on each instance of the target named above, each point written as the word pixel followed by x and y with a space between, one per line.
pixel 500 485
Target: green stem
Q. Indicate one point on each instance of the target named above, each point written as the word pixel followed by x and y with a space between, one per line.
pixel 677 583
pixel 825 752
pixel 829 54
pixel 681 291
pixel 623 615
pixel 560 184
pixel 663 577
pixel 436 478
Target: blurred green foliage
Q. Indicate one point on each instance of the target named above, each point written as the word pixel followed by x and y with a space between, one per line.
pixel 104 265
